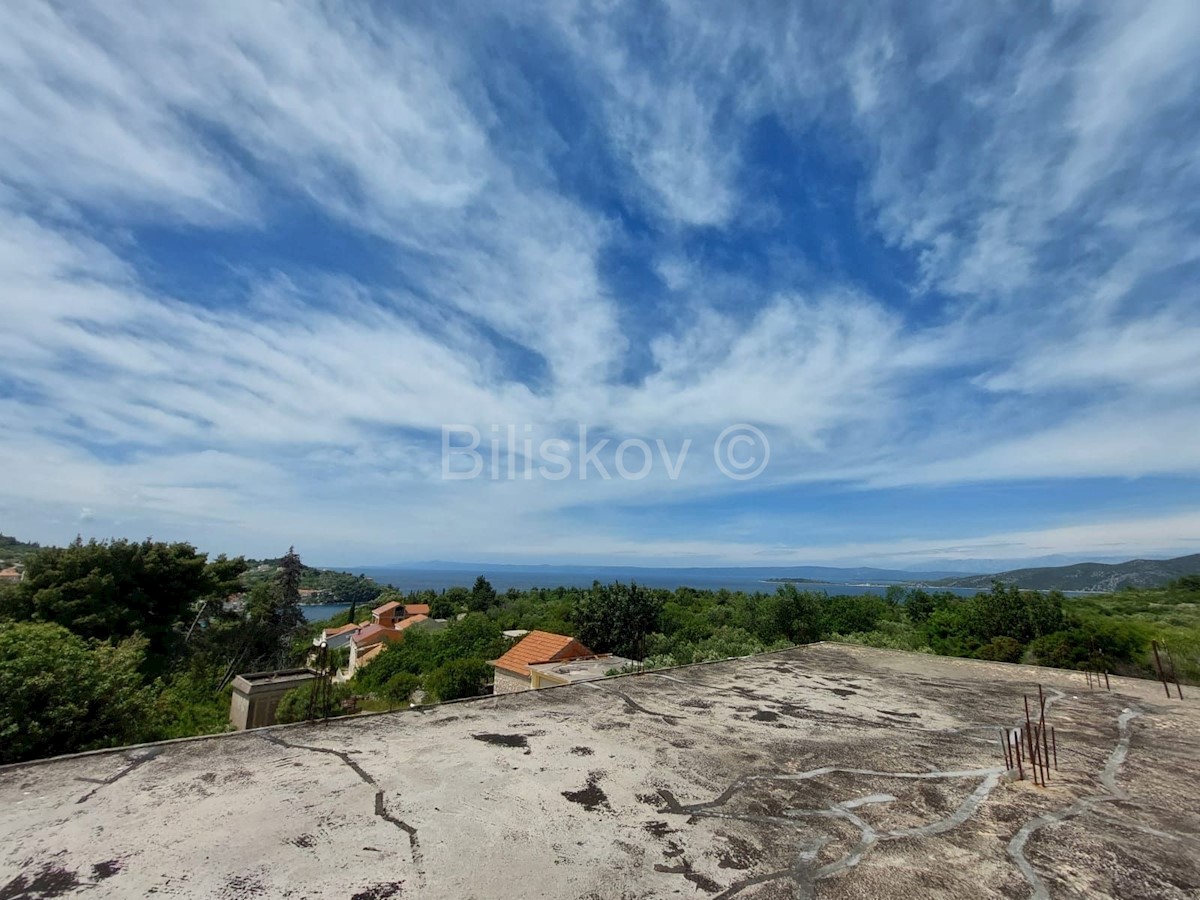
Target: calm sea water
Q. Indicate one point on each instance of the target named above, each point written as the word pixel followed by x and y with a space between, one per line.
pixel 523 579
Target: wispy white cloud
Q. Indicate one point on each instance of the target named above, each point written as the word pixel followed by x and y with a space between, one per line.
pixel 1038 173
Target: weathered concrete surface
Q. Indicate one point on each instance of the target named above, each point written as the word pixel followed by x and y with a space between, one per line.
pixel 824 771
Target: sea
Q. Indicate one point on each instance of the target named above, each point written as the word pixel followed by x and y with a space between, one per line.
pixel 503 578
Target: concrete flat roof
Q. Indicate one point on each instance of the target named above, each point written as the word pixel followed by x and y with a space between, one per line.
pixel 575 670
pixel 826 771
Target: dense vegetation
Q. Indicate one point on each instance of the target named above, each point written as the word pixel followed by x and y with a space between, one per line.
pixel 669 628
pixel 13 551
pixel 115 642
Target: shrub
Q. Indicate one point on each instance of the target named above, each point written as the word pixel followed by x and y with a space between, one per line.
pixel 294 705
pixel 1001 649
pixel 399 688
pixel 60 694
pixel 457 679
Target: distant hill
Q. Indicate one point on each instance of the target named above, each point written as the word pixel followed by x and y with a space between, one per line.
pixel 14 551
pixel 813 574
pixel 1089 576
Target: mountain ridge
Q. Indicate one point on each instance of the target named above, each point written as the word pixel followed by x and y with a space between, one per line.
pixel 1087 576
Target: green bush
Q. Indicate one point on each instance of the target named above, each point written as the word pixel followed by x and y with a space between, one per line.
pixel 60 694
pixel 1001 649
pixel 189 705
pixel 889 636
pixel 399 688
pixel 294 705
pixel 457 679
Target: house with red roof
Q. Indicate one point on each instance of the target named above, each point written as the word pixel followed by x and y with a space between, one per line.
pixel 337 637
pixel 370 639
pixel 394 611
pixel 518 669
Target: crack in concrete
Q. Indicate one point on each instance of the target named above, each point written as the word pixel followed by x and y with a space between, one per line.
pixel 340 754
pixel 1108 777
pixel 414 845
pixel 801 872
pixel 135 760
pixel 630 703
pixel 380 803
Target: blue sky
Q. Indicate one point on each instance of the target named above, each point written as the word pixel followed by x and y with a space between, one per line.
pixel 253 258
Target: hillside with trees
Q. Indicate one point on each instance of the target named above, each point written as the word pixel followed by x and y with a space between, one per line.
pixel 13 551
pixel 114 642
pixel 1088 576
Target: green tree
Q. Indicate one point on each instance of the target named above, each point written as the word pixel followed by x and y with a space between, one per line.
pixel 1001 649
pixel 190 703
pixel 483 595
pixel 458 597
pixel 617 618
pixel 1000 612
pixel 920 605
pixel 457 679
pixel 275 620
pixel 291 572
pixel 440 607
pixel 110 590
pixel 850 614
pixel 1044 612
pixel 400 687
pixel 474 635
pixel 417 653
pixel 799 614
pixel 58 694
pixel 294 705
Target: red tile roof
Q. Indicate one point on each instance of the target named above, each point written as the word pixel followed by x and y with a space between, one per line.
pixel 411 620
pixel 373 634
pixel 386 608
pixel 538 647
pixel 370 653
pixel 417 609
pixel 333 632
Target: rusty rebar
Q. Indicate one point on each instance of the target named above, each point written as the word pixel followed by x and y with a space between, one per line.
pixel 1174 674
pixel 1054 745
pixel 1029 738
pixel 1158 665
pixel 1016 739
pixel 1045 738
